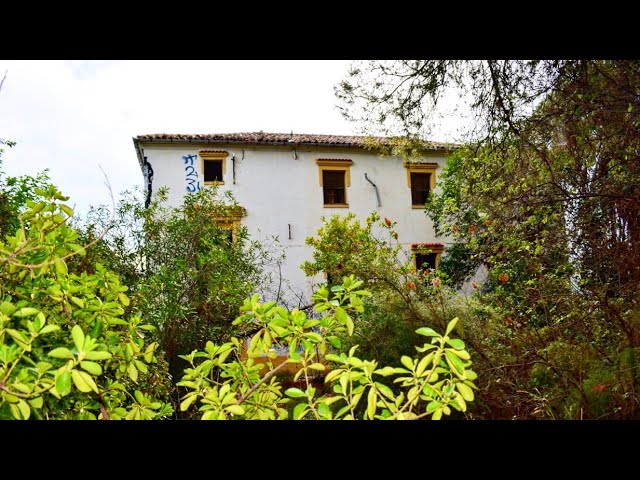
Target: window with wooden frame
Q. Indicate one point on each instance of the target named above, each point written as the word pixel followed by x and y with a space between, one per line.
pixel 426 256
pixel 213 166
pixel 421 179
pixel 334 179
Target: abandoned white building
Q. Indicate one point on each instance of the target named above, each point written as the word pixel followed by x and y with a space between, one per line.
pixel 286 182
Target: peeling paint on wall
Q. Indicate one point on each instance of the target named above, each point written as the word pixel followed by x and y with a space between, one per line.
pixel 191 174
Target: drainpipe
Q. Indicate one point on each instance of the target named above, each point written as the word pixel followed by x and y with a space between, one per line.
pixel 374 186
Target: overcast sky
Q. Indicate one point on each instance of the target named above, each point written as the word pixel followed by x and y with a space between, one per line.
pixel 75 116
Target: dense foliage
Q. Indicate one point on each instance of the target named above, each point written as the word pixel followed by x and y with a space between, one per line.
pixel 188 271
pixel 546 197
pixel 67 349
pixel 225 385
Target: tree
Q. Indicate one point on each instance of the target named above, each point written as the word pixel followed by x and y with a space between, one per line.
pixel 14 194
pixel 67 348
pixel 188 271
pixel 546 194
pixel 227 386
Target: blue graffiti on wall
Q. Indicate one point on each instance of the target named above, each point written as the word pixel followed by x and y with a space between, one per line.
pixel 191 174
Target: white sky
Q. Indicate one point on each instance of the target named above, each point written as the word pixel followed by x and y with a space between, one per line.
pixel 75 116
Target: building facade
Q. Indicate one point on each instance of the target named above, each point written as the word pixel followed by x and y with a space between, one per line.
pixel 287 182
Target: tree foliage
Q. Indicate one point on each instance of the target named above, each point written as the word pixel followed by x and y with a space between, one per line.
pixel 546 195
pixel 188 271
pixel 67 349
pixel 226 386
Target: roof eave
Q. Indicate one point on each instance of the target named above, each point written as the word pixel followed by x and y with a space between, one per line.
pixel 137 140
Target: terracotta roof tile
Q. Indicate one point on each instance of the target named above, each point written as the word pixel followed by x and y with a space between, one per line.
pixel 273 138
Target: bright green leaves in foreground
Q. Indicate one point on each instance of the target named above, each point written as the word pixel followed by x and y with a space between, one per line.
pixel 226 384
pixel 67 350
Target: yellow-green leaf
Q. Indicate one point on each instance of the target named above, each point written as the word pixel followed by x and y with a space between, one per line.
pixel 372 399
pixel 20 410
pixel 78 337
pixel 407 362
pixel 63 384
pixel 132 371
pixel 186 403
pixel 97 355
pixel 36 402
pixel 92 367
pixel 60 352
pixel 422 365
pixel 452 324
pixel 235 409
pixel 465 391
pixel 26 312
pixel 83 381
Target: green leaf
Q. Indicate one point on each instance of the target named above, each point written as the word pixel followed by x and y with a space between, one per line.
pixel 92 367
pixel 455 363
pixel 186 403
pixel 78 337
pixel 26 312
pixel 132 371
pixel 141 366
pixel 423 363
pixel 83 381
pixel 124 299
pixel 36 402
pixel 66 209
pixel 97 355
pixel 61 266
pixel 456 343
pixel 407 362
pixel 437 415
pixel 451 326
pixel 386 371
pixel 324 411
pixel 372 399
pixel 139 396
pixel 295 393
pixel 235 409
pixel 49 329
pixel 299 411
pixel 386 391
pixel 60 352
pixel 427 332
pixel 63 384
pixel 317 366
pixel 465 391
pixel 77 301
pixel 20 410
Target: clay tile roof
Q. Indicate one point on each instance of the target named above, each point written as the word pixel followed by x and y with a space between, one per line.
pixel 262 138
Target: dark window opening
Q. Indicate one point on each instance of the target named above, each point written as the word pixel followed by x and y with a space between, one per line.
pixel 333 187
pixel 213 170
pixel 420 183
pixel 425 261
pixel 229 235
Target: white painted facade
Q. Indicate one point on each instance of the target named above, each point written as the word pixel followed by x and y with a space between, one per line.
pixel 279 186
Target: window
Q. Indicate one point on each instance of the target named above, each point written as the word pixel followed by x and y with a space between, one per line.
pixel 426 255
pixel 426 261
pixel 334 179
pixel 421 179
pixel 229 221
pixel 213 166
pixel 419 188
pixel 333 188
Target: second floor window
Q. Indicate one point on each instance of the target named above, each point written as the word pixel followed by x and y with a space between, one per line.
pixel 420 187
pixel 333 187
pixel 334 176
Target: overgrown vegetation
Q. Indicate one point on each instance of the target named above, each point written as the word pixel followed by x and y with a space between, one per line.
pixel 546 196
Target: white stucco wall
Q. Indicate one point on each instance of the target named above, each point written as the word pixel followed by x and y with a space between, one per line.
pixel 279 190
